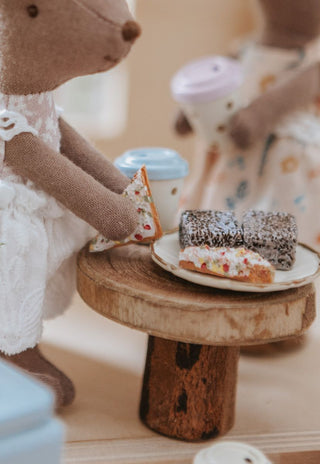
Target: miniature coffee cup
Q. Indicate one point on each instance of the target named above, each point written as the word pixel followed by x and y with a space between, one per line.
pixel 209 93
pixel 230 453
pixel 166 171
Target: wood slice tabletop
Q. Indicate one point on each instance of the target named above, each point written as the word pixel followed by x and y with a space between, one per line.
pixel 125 285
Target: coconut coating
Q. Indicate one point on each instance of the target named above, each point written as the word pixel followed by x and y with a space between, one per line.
pixel 274 235
pixel 212 228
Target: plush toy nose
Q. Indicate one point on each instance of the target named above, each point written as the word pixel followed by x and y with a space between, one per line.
pixel 131 31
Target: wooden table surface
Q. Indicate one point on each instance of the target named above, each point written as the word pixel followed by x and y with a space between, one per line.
pixel 190 379
pixel 105 358
pixel 125 285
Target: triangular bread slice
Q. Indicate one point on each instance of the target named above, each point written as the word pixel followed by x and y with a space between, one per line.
pixel 149 228
pixel 231 263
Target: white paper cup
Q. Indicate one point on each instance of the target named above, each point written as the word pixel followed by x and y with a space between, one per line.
pixel 209 93
pixel 166 195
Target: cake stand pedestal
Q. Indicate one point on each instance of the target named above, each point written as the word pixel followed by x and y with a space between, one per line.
pixel 195 334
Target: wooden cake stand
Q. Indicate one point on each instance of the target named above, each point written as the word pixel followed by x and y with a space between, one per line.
pixel 195 334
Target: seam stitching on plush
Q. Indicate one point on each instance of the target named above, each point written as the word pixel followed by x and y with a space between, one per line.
pixel 96 13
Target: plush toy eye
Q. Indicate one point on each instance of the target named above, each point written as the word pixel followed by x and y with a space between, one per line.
pixel 33 11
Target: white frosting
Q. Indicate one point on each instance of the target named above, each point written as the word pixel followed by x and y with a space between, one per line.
pixel 138 193
pixel 230 262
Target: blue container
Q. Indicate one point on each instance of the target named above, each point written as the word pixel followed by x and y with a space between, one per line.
pixel 161 163
pixel 28 432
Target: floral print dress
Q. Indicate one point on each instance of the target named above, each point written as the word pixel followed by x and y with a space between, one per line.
pixel 281 172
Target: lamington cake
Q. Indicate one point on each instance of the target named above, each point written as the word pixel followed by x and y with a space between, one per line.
pixel 274 235
pixel 212 228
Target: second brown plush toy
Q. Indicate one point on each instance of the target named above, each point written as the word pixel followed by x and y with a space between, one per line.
pixel 55 188
pixel 274 163
pixel 289 26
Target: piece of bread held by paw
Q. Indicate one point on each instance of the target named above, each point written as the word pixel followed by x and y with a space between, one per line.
pixel 149 228
pixel 232 263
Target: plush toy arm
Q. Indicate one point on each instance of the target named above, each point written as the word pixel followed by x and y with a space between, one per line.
pixel 84 155
pixel 258 119
pixel 182 125
pixel 106 211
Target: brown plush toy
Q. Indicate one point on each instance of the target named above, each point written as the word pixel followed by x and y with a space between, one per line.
pixel 55 188
pixel 274 164
pixel 289 25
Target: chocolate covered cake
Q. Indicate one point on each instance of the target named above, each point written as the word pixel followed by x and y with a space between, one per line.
pixel 212 228
pixel 273 235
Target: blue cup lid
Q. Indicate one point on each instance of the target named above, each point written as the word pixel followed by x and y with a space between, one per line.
pixel 161 163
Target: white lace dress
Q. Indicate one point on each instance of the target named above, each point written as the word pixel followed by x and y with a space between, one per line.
pixel 281 172
pixel 39 237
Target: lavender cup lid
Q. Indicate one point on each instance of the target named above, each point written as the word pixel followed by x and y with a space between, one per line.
pixel 161 163
pixel 207 79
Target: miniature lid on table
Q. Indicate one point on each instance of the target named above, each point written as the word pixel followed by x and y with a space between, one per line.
pixel 161 163
pixel 207 79
pixel 230 453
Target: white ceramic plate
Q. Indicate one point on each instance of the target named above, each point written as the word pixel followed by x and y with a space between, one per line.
pixel 165 252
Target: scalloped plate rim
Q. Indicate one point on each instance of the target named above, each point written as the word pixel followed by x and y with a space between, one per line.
pixel 229 284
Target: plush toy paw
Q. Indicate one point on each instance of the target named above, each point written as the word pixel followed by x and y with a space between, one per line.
pixel 148 228
pixel 54 385
pixel 181 125
pixel 61 384
pixel 244 128
pixel 124 220
pixel 35 364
